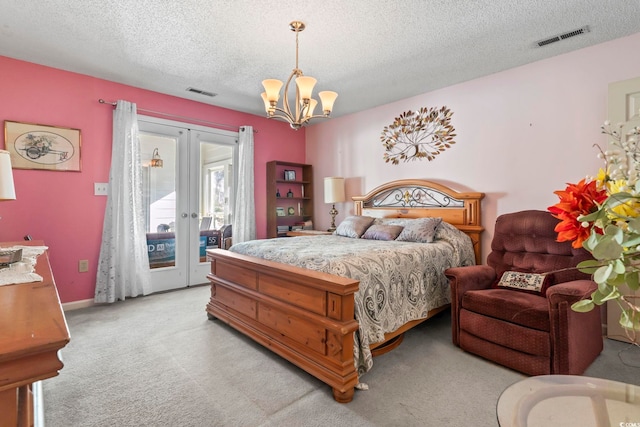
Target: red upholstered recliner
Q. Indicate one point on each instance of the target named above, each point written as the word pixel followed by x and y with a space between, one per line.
pixel 532 333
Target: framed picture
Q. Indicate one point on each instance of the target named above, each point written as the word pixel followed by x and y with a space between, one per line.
pixel 289 175
pixel 280 212
pixel 33 146
pixel 291 211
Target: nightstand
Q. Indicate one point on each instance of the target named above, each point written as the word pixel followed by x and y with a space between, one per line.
pixel 308 233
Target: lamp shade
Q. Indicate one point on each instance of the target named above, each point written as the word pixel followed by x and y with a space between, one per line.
pixel 333 189
pixel 312 106
pixel 7 190
pixel 305 86
pixel 272 89
pixel 327 98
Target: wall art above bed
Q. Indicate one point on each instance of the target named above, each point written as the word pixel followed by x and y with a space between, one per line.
pixel 417 135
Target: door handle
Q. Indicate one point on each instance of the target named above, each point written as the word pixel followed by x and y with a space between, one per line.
pixel 194 215
pixel 184 215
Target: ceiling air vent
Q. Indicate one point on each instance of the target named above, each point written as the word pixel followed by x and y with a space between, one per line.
pixel 201 92
pixel 563 36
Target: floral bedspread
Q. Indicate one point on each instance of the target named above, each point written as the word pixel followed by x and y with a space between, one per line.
pixel 399 281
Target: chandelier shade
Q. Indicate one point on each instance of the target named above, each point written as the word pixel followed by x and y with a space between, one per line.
pixel 304 104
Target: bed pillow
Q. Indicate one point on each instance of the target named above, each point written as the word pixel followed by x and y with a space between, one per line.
pixel 382 232
pixel 420 230
pixel 393 221
pixel 533 283
pixel 354 226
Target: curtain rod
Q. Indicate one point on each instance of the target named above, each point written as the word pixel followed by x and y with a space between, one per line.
pixel 102 101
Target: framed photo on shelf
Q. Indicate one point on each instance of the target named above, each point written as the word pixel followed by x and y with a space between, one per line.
pixel 291 211
pixel 280 212
pixel 289 175
pixel 33 146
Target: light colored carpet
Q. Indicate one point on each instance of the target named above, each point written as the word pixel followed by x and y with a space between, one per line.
pixel 158 361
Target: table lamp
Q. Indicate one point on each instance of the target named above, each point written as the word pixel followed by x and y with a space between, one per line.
pixel 7 189
pixel 333 193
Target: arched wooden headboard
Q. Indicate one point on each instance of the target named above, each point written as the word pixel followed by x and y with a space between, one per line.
pixel 417 198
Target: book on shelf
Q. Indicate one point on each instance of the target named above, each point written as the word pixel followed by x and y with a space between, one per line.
pixel 283 230
pixel 306 225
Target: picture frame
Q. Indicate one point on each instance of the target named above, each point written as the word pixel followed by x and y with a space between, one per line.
pixel 280 211
pixel 291 211
pixel 289 175
pixel 42 147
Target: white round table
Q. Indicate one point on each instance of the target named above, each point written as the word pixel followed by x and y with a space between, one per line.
pixel 569 400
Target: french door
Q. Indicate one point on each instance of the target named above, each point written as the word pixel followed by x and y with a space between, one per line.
pixel 188 191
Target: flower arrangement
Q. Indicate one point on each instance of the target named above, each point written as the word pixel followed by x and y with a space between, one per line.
pixel 602 215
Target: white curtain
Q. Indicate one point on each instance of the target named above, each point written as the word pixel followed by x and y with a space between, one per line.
pixel 244 212
pixel 123 267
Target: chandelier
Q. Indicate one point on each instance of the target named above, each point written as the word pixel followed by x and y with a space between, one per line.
pixel 304 103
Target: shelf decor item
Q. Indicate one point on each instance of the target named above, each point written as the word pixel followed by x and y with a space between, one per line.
pixel 290 193
pixel 289 175
pixel 34 146
pixel 280 211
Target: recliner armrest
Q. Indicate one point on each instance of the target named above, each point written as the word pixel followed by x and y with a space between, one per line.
pixel 461 280
pixel 471 277
pixel 570 292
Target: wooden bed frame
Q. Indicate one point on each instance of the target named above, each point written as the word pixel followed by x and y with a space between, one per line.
pixel 307 317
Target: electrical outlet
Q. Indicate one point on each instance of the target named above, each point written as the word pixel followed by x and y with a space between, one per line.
pixel 100 188
pixel 83 265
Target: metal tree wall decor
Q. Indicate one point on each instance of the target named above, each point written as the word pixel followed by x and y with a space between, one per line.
pixel 418 135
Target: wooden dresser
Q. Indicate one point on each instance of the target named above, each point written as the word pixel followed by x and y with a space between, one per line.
pixel 32 331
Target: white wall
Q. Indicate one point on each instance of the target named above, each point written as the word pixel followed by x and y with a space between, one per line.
pixel 522 134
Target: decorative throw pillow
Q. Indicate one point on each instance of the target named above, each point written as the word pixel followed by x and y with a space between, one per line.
pixel 382 232
pixel 420 230
pixel 393 221
pixel 354 226
pixel 535 283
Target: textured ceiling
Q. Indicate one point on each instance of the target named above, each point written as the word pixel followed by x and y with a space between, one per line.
pixel 371 52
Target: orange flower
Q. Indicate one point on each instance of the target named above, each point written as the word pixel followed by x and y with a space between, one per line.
pixel 576 200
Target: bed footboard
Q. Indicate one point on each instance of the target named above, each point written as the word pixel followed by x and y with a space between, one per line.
pixel 306 317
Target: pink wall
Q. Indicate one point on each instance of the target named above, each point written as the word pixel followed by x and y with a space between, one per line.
pixel 522 133
pixel 59 207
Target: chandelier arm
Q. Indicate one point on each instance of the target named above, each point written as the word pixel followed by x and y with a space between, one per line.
pixel 285 115
pixel 285 99
pixel 298 110
pixel 318 116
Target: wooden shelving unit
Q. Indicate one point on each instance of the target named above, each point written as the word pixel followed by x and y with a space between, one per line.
pixel 296 208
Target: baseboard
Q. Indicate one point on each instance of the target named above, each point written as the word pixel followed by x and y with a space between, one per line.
pixel 75 305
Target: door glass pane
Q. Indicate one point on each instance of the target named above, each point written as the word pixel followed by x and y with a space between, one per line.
pixel 160 199
pixel 215 178
pixel 217 204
